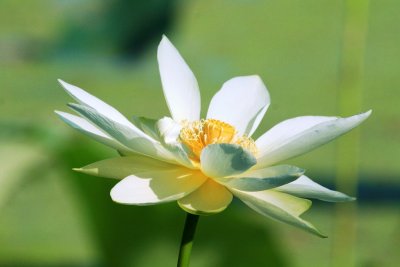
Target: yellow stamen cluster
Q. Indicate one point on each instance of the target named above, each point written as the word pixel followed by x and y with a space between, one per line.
pixel 198 134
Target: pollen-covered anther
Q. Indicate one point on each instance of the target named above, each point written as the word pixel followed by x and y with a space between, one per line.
pixel 198 134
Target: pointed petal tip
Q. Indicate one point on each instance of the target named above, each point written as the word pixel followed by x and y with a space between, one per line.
pixel 64 116
pixel 69 88
pixel 73 106
pixel 63 83
pixel 92 172
pixel 365 114
pixel 315 231
pixel 346 198
pixel 322 235
pixel 164 38
pixel 61 114
pixel 164 42
pixel 340 197
pixel 368 113
pixel 362 116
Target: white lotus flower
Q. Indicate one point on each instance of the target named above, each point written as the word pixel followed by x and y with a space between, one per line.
pixel 203 163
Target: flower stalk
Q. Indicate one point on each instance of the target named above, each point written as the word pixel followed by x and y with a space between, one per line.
pixel 187 240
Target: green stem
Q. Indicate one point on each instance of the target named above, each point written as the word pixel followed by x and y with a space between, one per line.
pixel 187 240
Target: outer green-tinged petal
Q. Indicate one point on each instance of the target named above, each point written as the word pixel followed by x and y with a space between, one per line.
pixel 166 131
pixel 180 86
pixel 129 136
pixel 148 126
pixel 208 199
pixel 122 167
pixel 299 135
pixel 241 102
pixel 279 206
pixel 304 187
pixel 89 129
pixel 263 179
pixel 89 100
pixel 157 186
pixel 222 160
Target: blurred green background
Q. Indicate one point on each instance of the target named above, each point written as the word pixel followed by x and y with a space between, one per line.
pixel 317 57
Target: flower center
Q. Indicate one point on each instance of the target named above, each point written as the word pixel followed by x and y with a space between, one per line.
pixel 199 134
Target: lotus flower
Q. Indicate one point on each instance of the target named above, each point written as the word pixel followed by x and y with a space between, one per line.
pixel 203 163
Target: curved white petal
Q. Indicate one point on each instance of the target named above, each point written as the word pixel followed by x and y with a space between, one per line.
pixel 306 188
pixel 299 135
pixel 157 186
pixel 180 86
pixel 222 160
pixel 89 129
pixel 279 206
pixel 147 125
pixel 122 167
pixel 166 131
pixel 89 100
pixel 262 179
pixel 210 198
pixel 241 102
pixel 128 135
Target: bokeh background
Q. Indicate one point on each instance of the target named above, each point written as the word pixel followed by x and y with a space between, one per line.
pixel 317 57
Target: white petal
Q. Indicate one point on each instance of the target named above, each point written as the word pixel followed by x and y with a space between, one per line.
pixel 166 131
pixel 122 167
pixel 146 125
pixel 263 179
pixel 222 160
pixel 241 102
pixel 208 199
pixel 128 135
pixel 89 100
pixel 279 206
pixel 90 130
pixel 157 186
pixel 299 135
pixel 304 187
pixel 180 86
